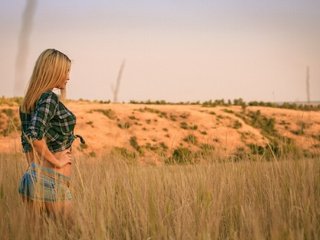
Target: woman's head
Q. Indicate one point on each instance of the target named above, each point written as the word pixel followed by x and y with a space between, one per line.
pixel 50 71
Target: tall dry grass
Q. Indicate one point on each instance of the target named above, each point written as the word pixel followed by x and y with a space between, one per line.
pixel 114 200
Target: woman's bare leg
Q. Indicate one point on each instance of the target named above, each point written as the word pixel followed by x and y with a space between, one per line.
pixel 61 210
pixel 35 219
pixel 34 208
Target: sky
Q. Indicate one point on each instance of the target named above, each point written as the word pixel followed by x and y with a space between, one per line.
pixel 174 50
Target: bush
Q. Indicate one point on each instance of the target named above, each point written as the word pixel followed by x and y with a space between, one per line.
pixel 134 143
pixel 124 125
pixel 125 153
pixel 237 124
pixel 205 150
pixel 180 156
pixel 107 112
pixel 184 125
pixel 301 127
pixel 191 139
pixel 259 121
pixel 256 149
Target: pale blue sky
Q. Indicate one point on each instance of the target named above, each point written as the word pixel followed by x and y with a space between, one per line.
pixel 174 50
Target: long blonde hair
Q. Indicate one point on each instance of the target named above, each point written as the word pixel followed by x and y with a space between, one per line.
pixel 49 70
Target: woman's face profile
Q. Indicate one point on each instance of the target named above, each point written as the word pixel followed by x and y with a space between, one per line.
pixel 64 80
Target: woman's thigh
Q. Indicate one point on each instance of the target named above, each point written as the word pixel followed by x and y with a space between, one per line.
pixel 56 208
pixel 59 209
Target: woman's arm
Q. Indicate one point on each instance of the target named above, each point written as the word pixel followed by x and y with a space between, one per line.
pixel 42 149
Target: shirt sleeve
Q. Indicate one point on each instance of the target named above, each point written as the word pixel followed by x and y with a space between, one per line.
pixel 44 111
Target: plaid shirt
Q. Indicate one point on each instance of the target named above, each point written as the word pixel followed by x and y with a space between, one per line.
pixel 50 120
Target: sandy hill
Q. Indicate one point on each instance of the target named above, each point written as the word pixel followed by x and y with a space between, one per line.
pixel 154 132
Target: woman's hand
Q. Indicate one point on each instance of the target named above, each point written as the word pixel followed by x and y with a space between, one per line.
pixel 64 158
pixel 62 163
pixel 57 159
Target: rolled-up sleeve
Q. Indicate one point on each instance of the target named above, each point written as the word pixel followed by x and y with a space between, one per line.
pixel 44 111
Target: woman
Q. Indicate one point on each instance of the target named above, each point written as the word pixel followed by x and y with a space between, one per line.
pixel 47 135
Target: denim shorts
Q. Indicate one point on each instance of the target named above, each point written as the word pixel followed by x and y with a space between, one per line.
pixel 44 184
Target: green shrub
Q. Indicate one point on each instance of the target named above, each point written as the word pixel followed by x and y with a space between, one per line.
pixel 151 147
pixel 184 125
pixel 256 149
pixel 164 146
pixel 124 125
pixel 237 124
pixel 82 147
pixel 104 102
pixel 215 140
pixel 173 117
pixel 184 115
pixel 191 139
pixel 132 117
pixel 134 143
pixel 157 102
pixel 107 112
pixel 282 147
pixel 193 127
pixel 11 101
pixel 239 154
pixel 316 137
pixel 259 121
pixel 210 103
pixel 9 112
pixel 228 111
pixel 301 127
pixel 180 156
pixel 316 145
pixel 90 123
pixel 92 154
pixel 12 125
pixel 125 153
pixel 160 148
pixel 205 151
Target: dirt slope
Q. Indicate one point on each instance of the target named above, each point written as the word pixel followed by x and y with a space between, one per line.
pixel 155 131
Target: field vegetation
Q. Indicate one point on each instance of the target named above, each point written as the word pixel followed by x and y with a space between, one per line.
pixel 263 189
pixel 118 198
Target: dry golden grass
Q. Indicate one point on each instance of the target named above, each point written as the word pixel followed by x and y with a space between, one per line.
pixel 217 200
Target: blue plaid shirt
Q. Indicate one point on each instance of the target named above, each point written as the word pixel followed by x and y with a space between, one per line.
pixel 50 120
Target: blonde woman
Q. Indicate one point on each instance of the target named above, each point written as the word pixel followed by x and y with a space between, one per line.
pixel 47 135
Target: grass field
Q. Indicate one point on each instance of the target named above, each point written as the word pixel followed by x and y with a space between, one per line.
pixel 216 200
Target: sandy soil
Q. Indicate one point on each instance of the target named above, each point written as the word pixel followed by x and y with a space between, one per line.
pixel 171 126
